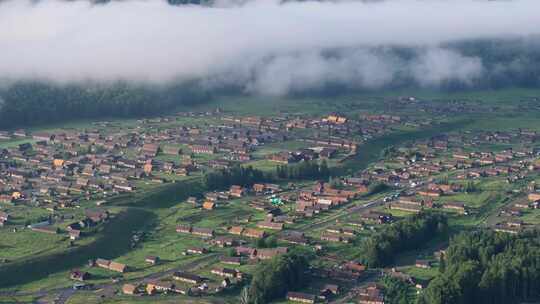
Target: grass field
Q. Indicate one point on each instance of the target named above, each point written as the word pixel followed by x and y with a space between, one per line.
pixel 118 232
pixel 356 103
pixel 11 143
pixel 24 244
pixel 421 273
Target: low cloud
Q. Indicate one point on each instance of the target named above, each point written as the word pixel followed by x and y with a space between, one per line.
pixel 263 47
pixel 436 66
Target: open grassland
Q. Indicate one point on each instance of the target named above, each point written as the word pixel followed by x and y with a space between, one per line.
pixel 360 103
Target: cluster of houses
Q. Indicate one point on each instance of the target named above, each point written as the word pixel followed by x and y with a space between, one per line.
pixel 418 164
pixel 415 168
pixel 185 283
pixel 277 224
pixel 446 108
pixel 92 218
pixel 324 197
pixel 111 265
pixel 64 165
pixel 308 202
pixel 338 128
pixel 346 274
pixel 415 204
pixel 57 169
pixel 372 294
pixel 179 282
pixel 511 215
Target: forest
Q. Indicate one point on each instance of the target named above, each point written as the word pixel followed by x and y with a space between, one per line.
pixel 488 267
pixel 304 170
pixel 411 233
pixel 236 175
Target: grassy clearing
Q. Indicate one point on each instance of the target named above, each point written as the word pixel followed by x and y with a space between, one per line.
pixel 504 122
pixel 421 273
pixel 473 200
pixel 264 165
pixel 114 241
pixel 15 142
pixel 531 217
pixel 20 214
pixel 17 299
pixel 26 243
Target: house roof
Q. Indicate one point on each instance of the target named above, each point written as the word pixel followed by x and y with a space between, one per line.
pixel 186 275
pixel 254 232
pixel 117 266
pixel 209 205
pixel 300 295
pixel 129 288
pixel 208 231
pixel 236 229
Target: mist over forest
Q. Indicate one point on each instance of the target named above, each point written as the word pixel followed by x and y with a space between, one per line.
pixel 64 60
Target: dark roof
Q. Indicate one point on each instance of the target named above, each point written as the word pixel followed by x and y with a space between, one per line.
pixel 300 295
pixel 186 275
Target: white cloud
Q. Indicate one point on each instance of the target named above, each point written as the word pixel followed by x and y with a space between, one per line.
pixel 262 46
pixel 435 66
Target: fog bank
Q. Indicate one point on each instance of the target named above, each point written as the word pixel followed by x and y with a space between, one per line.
pixel 259 46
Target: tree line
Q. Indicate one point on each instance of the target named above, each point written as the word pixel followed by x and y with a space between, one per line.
pixel 32 103
pixel 380 249
pixel 488 267
pixel 247 175
pixel 236 175
pixel 304 170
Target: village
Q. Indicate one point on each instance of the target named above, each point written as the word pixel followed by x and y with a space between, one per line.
pixel 55 171
pixel 62 185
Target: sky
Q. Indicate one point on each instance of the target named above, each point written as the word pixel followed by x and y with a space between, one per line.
pixel 261 46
